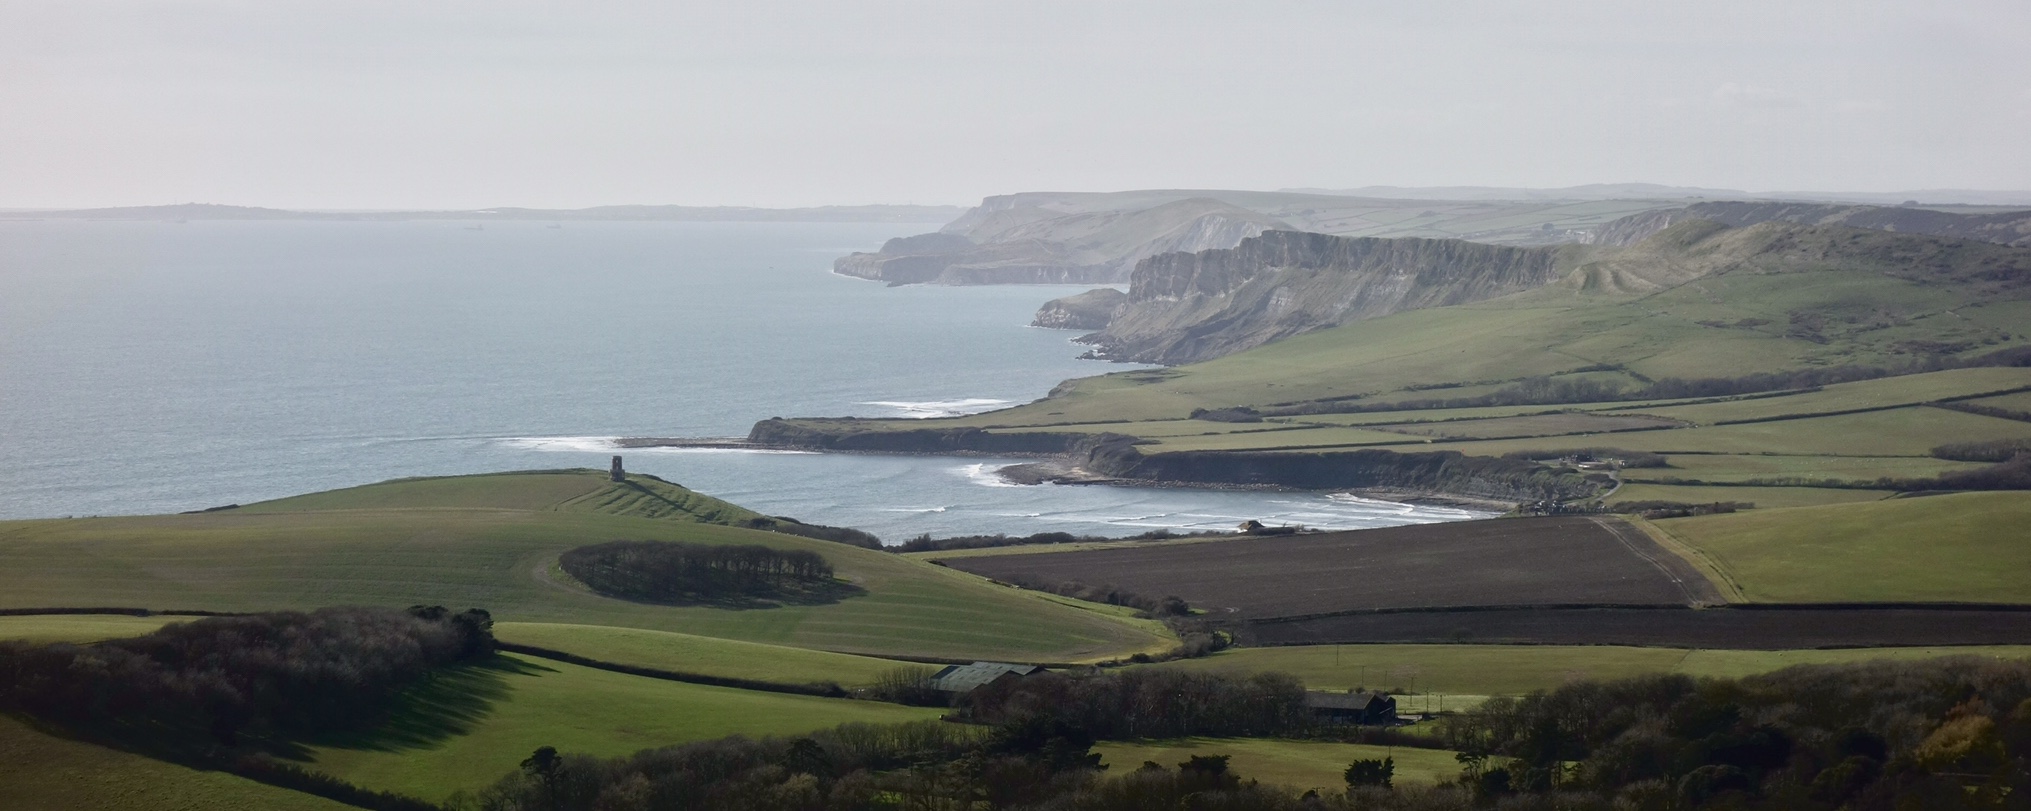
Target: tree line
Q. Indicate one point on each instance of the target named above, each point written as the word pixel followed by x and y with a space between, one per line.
pixel 674 572
pixel 1943 734
pixel 280 674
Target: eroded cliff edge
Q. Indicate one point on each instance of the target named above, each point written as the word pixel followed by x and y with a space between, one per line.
pixel 1188 307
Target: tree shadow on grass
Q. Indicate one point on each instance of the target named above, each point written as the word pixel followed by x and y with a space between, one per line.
pixel 826 593
pixel 447 704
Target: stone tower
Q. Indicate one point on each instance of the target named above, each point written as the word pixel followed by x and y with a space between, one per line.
pixel 617 474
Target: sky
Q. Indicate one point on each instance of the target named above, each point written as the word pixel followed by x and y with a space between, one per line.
pixel 366 104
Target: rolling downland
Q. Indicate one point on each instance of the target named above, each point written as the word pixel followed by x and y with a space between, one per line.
pixel 492 541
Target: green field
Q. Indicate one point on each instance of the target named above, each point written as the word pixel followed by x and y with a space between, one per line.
pixel 1762 497
pixel 1532 425
pixel 1743 466
pixel 704 655
pixel 1483 670
pixel 1961 547
pixel 79 627
pixel 2014 402
pixel 474 724
pixel 40 772
pixel 1299 765
pixel 503 559
pixel 1884 393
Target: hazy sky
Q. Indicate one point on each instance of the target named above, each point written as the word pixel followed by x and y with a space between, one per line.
pixel 360 104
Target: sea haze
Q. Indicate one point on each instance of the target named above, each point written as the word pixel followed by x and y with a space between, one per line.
pixel 153 366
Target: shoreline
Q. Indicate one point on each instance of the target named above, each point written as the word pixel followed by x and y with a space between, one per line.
pixel 1052 469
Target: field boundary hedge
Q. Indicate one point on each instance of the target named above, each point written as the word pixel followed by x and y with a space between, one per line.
pixel 829 690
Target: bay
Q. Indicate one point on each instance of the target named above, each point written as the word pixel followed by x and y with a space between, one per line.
pixel 154 366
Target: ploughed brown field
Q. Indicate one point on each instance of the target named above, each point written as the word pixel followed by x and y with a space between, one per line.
pixel 1564 560
pixel 1739 627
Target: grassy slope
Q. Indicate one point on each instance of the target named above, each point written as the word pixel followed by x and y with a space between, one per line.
pixel 686 653
pixel 1962 547
pixel 41 772
pixel 503 559
pixel 79 627
pixel 1479 670
pixel 480 723
pixel 1299 765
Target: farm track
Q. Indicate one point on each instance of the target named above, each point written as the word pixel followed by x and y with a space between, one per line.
pixel 1698 590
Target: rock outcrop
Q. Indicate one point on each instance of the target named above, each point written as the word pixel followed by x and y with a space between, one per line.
pixel 1007 240
pixel 2011 228
pixel 1186 307
pixel 1090 310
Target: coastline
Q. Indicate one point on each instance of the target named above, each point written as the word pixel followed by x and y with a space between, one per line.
pixel 1055 468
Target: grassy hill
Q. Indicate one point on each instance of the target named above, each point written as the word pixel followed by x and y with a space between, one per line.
pixel 1961 547
pixel 42 772
pixel 473 725
pixel 492 541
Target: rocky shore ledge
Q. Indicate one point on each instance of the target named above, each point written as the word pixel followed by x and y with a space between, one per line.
pixel 1103 458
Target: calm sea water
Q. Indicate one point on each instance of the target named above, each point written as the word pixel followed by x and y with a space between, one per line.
pixel 150 366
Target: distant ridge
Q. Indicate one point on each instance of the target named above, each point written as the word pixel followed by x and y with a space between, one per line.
pixel 1649 191
pixel 642 213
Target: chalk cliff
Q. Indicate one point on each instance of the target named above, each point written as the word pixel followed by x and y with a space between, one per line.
pixel 1186 307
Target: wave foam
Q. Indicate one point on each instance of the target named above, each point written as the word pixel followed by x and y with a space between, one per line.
pixel 984 474
pixel 926 409
pixel 611 444
pixel 579 444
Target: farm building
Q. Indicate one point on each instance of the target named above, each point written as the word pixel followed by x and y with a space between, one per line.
pixel 1352 708
pixel 960 679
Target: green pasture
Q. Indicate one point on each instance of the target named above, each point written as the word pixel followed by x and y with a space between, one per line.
pixel 41 772
pixel 1299 765
pixel 1532 425
pixel 504 560
pixel 1912 431
pixel 474 724
pixel 1762 497
pixel 704 655
pixel 576 490
pixel 1431 415
pixel 1482 670
pixel 1299 438
pixel 1883 393
pixel 1740 467
pixel 2020 401
pixel 1960 547
pixel 41 628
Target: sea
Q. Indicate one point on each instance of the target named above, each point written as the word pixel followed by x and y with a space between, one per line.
pixel 150 367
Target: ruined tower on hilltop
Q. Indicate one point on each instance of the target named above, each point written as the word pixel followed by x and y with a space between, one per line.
pixel 616 473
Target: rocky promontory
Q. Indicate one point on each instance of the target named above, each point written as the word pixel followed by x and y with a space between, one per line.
pixel 1088 311
pixel 1015 239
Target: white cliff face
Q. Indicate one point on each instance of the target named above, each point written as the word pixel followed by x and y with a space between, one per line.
pixel 1186 307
